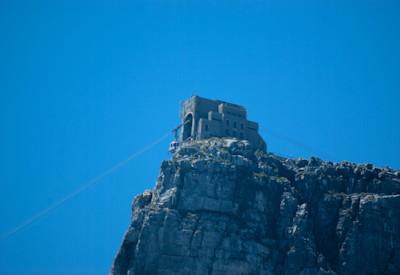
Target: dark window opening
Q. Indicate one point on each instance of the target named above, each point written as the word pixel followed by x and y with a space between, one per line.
pixel 206 127
pixel 227 132
pixel 187 127
pixel 227 122
pixel 241 135
pixel 241 126
pixel 234 133
pixel 234 124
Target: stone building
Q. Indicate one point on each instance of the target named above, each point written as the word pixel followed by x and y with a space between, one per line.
pixel 204 118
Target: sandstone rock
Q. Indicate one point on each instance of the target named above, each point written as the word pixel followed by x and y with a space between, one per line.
pixel 222 207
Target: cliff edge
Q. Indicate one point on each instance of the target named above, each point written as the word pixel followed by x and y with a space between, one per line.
pixel 222 207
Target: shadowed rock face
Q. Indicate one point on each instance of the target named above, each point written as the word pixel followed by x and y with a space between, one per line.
pixel 220 207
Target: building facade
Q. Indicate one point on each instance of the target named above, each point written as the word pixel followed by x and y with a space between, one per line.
pixel 203 118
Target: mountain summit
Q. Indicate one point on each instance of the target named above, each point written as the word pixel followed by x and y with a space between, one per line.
pixel 225 206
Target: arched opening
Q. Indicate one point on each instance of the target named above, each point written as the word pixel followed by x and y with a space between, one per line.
pixel 187 127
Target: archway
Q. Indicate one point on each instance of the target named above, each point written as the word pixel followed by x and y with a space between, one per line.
pixel 187 127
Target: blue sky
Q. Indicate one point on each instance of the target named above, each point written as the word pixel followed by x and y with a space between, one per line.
pixel 83 84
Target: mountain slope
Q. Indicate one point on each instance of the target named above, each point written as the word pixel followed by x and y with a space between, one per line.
pixel 221 207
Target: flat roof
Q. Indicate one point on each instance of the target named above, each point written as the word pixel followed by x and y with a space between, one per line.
pixel 217 101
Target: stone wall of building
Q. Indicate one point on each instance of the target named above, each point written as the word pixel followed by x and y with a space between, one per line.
pixel 204 118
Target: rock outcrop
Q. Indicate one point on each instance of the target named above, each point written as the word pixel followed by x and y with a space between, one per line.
pixel 222 207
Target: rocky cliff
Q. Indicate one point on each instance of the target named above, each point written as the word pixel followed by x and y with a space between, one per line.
pixel 221 207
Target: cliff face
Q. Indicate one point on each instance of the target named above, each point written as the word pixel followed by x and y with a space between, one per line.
pixel 220 207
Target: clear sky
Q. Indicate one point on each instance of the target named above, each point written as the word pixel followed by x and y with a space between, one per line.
pixel 83 84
